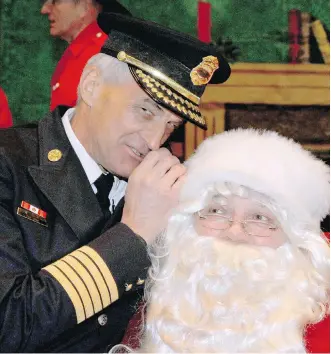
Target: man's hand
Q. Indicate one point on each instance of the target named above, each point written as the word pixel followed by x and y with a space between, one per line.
pixel 152 191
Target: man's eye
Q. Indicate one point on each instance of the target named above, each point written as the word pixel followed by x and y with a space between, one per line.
pixel 218 211
pixel 174 125
pixel 260 217
pixel 146 112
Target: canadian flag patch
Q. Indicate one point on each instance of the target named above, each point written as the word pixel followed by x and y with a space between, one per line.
pixel 33 209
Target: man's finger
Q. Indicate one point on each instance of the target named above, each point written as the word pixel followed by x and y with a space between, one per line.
pixel 164 165
pixel 175 172
pixel 153 157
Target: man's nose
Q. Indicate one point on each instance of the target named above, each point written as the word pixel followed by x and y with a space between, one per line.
pixel 46 7
pixel 237 233
pixel 154 137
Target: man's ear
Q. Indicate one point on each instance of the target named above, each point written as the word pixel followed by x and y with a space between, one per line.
pixel 88 85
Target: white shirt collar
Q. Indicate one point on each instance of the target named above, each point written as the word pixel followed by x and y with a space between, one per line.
pixel 91 168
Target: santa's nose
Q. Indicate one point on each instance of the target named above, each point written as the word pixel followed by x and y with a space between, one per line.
pixel 237 233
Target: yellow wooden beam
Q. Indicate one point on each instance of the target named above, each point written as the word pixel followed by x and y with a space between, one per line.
pixel 317 147
pixel 283 84
pixel 267 95
pixel 266 79
pixel 194 136
pixel 279 67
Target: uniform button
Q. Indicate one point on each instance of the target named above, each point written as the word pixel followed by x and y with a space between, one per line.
pixel 57 85
pixel 102 319
pixel 99 34
pixel 54 155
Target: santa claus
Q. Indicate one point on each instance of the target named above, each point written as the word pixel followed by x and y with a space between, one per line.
pixel 243 266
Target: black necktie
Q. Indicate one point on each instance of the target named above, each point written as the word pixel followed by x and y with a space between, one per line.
pixel 104 184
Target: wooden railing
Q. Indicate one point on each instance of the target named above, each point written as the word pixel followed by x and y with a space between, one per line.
pixel 274 84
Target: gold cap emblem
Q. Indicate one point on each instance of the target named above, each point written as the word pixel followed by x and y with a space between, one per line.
pixel 202 73
pixel 54 155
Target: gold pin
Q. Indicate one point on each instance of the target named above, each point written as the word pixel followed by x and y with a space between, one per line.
pixel 54 155
pixel 140 281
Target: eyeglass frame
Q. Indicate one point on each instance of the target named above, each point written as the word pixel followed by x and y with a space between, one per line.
pixel 231 222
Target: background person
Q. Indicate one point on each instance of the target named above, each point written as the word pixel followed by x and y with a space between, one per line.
pixel 74 21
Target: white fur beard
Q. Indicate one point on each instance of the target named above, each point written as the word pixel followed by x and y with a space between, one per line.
pixel 226 297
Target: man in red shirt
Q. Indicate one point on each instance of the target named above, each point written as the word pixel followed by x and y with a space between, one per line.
pixel 6 120
pixel 75 22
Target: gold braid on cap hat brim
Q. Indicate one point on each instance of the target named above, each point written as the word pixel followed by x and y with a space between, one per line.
pixel 122 56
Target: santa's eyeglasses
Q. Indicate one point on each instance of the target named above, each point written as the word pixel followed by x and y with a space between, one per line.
pixel 259 226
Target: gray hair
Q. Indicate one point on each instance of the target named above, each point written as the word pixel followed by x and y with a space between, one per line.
pixel 112 71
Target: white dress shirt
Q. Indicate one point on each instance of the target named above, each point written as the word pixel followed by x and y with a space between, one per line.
pixel 91 168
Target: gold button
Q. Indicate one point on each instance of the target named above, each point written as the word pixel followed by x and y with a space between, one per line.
pixel 128 287
pixel 54 155
pixel 99 34
pixel 140 281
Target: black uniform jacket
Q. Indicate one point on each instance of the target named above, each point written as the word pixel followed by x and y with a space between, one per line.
pixel 69 280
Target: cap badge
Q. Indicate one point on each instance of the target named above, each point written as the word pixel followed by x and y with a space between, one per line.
pixel 202 73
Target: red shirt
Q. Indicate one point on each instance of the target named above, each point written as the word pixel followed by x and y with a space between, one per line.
pixel 6 120
pixel 67 73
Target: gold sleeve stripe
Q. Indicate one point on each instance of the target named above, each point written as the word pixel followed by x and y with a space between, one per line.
pixel 79 284
pixel 88 281
pixel 97 276
pixel 70 290
pixel 100 263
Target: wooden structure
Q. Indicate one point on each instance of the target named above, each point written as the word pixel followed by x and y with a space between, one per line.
pixel 269 84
